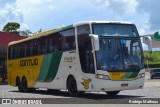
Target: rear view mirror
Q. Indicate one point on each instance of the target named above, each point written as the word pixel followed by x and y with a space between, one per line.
pixel 95 41
pixel 148 40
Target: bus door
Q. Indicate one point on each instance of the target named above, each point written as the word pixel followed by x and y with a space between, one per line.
pixel 86 55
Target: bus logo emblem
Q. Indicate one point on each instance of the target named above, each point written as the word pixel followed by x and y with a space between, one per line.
pixel 86 82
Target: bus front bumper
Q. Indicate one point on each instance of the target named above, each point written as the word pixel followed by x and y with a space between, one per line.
pixel 109 85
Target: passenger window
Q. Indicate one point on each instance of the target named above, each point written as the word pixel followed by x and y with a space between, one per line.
pixel 68 39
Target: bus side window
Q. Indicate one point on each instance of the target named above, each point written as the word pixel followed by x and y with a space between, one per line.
pixel 10 52
pixel 54 42
pixel 50 46
pixel 30 45
pixel 46 45
pixel 35 47
pixel 68 39
pixel 13 52
pixel 42 47
pixel 21 50
pixel 17 52
pixel 28 48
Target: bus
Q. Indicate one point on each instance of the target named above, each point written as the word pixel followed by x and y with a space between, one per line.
pixel 89 56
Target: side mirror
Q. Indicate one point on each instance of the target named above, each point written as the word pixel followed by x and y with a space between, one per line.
pixel 148 41
pixel 95 41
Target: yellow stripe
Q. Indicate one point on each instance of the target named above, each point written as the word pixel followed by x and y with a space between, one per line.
pixel 116 75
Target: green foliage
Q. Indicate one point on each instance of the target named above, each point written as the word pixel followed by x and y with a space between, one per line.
pixel 11 27
pixel 153 59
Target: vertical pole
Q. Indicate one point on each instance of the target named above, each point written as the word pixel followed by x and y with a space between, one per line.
pixel 147 65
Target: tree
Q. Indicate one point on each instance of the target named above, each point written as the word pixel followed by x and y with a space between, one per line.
pixel 25 33
pixel 11 27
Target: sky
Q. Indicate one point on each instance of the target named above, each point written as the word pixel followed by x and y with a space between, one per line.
pixel 34 15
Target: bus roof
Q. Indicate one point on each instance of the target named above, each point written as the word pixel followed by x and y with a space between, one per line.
pixel 109 22
pixel 61 28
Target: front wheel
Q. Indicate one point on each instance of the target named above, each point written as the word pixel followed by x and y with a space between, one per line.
pixel 72 87
pixel 112 93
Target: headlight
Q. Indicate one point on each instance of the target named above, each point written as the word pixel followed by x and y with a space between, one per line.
pixel 101 76
pixel 141 75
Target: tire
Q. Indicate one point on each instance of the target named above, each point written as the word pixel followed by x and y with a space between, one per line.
pixel 112 93
pixel 24 85
pixel 72 87
pixel 151 77
pixel 19 84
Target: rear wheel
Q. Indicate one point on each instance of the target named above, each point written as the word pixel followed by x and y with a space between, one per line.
pixel 24 85
pixel 19 84
pixel 72 87
pixel 112 93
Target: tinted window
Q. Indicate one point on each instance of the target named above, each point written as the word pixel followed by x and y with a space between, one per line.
pixel 42 47
pixel 10 52
pixel 68 41
pixel 21 48
pixel 85 48
pixel 60 41
pixel 55 42
pixel 35 48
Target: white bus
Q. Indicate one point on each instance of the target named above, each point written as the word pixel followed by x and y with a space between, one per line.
pixel 91 56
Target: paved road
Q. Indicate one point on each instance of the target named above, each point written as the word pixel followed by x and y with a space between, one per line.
pixel 150 90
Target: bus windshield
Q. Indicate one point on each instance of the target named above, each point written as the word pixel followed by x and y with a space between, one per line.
pixel 115 30
pixel 119 55
pixel 120 48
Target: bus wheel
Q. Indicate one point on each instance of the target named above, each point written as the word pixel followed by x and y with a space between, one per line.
pixel 24 85
pixel 111 93
pixel 72 87
pixel 19 84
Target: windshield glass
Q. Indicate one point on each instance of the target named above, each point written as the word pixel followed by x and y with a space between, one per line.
pixel 119 54
pixel 115 30
pixel 106 56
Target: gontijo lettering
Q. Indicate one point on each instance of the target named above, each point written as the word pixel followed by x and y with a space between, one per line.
pixel 29 62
